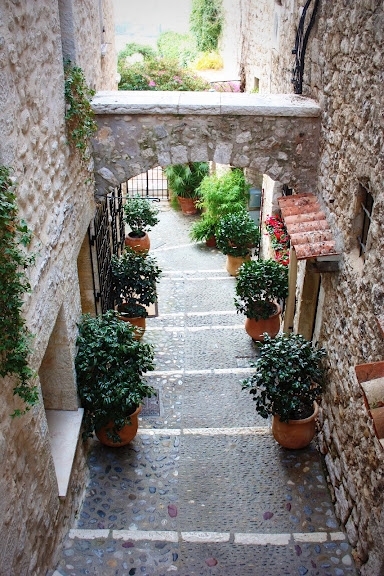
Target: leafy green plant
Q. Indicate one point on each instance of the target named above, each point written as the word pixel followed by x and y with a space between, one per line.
pixel 79 114
pixel 258 284
pixel 176 46
pixel 288 377
pixel 236 234
pixel 16 339
pixel 203 228
pixel 206 23
pixel 160 74
pixel 132 48
pixel 140 214
pixel 110 365
pixel 184 179
pixel 134 282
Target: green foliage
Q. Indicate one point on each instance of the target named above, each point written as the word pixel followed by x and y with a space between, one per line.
pixel 219 196
pixel 134 281
pixel 184 179
pixel 16 339
pixel 160 74
pixel 79 115
pixel 140 214
pixel 236 234
pixel 209 61
pixel 288 377
pixel 110 365
pixel 179 47
pixel 206 23
pixel 258 284
pixel 132 48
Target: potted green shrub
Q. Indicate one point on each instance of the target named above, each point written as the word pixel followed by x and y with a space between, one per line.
pixel 184 181
pixel 236 235
pixel 287 380
pixel 134 280
pixel 110 367
pixel 140 214
pixel 260 285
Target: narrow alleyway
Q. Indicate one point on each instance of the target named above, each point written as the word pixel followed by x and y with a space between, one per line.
pixel 203 490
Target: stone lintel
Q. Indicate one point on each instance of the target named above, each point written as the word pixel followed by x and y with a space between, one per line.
pixel 124 102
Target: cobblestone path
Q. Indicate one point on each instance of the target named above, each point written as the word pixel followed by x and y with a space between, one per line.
pixel 203 490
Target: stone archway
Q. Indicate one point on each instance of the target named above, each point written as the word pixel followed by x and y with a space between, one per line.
pixel 277 135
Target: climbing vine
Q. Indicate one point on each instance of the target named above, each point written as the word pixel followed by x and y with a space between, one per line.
pixel 15 338
pixel 79 114
pixel 206 23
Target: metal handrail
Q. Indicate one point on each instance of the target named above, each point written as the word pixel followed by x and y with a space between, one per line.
pixel 301 46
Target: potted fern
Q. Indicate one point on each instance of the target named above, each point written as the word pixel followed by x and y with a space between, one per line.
pixel 286 384
pixel 184 181
pixel 260 285
pixel 134 278
pixel 140 214
pixel 110 367
pixel 236 235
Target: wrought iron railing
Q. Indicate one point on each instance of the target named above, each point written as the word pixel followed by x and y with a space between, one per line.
pixel 302 36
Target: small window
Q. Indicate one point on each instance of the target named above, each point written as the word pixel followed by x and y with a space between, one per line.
pixel 256 84
pixel 366 207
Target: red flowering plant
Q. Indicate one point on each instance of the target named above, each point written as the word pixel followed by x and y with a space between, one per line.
pixel 279 238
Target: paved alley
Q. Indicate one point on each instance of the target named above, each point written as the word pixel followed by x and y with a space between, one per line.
pixel 203 490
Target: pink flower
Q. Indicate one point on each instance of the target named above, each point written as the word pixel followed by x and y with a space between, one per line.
pixel 151 83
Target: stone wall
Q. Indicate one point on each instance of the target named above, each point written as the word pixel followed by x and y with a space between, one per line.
pixel 343 72
pixel 57 204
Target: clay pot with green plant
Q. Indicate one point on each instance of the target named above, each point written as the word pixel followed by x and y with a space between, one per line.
pixel 184 181
pixel 110 367
pixel 134 279
pixel 236 236
pixel 260 286
pixel 286 384
pixel 140 214
pixel 219 196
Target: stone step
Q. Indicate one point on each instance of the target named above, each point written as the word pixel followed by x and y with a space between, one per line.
pixel 133 553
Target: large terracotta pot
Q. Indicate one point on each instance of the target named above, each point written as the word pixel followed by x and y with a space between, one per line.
pixel 127 433
pixel 140 244
pixel 256 328
pixel 187 205
pixel 138 321
pixel 233 264
pixel 295 434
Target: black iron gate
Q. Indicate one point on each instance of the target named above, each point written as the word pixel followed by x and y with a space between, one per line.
pixel 106 236
pixel 152 184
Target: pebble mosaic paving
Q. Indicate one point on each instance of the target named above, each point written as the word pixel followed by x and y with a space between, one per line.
pixel 203 489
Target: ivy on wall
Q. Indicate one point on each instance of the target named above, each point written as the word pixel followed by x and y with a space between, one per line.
pixel 206 23
pixel 15 338
pixel 79 114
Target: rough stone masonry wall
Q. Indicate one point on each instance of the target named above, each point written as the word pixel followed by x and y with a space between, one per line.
pixel 344 73
pixel 57 205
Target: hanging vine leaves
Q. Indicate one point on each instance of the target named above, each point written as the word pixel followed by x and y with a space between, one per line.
pixel 15 337
pixel 206 23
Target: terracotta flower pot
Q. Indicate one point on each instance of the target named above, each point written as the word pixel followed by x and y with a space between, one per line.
pixel 140 244
pixel 256 328
pixel 211 242
pixel 127 433
pixel 187 205
pixel 295 434
pixel 138 321
pixel 233 264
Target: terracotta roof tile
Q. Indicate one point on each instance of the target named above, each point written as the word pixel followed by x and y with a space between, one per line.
pixel 307 226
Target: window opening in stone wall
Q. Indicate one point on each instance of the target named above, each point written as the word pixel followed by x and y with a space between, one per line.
pixel 256 84
pixel 287 191
pixel 366 206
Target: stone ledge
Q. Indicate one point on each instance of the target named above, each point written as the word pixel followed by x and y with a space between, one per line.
pixel 122 102
pixel 64 431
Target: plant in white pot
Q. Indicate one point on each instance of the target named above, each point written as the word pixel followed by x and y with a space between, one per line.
pixel 110 367
pixel 140 214
pixel 260 285
pixel 287 381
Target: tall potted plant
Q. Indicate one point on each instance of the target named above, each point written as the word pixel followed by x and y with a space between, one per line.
pixel 134 285
pixel 236 235
pixel 286 384
pixel 110 367
pixel 140 214
pixel 184 181
pixel 260 285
